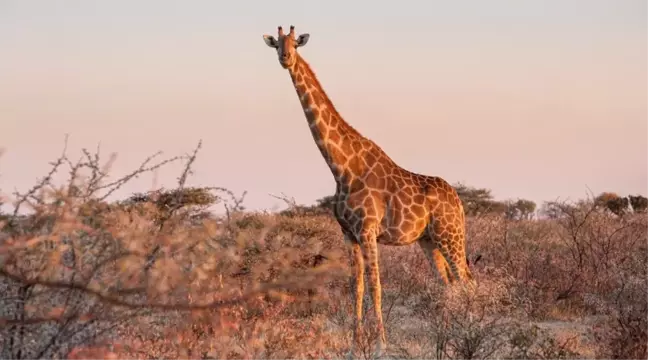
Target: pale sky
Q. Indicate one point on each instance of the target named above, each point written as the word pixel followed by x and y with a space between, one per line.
pixel 533 99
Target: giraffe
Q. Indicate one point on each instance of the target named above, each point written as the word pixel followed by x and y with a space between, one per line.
pixel 376 200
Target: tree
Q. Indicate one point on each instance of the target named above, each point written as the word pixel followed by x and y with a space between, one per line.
pixel 477 201
pixel 521 209
pixel 193 201
pixel 604 197
pixel 322 206
pixel 638 203
pixel 556 209
pixel 327 202
pixel 618 206
pixel 526 208
pixel 614 203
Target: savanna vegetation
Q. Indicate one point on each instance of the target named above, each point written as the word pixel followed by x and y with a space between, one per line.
pixel 158 274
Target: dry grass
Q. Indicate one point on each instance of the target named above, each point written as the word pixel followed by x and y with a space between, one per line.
pixel 84 278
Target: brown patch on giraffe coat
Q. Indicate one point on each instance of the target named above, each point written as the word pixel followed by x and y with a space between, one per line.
pixel 317 97
pixel 309 82
pixel 379 170
pixel 419 211
pixel 419 198
pixel 370 158
pixel 408 226
pixel 369 205
pixel 377 194
pixel 335 137
pixel 355 165
pixel 356 146
pixel 324 133
pixel 345 146
pixel 372 181
pixel 337 156
pixel 355 186
pixel 301 89
pixel 334 121
pixel 442 196
pixel 382 183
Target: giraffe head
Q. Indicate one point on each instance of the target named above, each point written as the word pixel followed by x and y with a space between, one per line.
pixel 286 45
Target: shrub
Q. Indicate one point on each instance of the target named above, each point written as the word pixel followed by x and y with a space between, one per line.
pixel 159 275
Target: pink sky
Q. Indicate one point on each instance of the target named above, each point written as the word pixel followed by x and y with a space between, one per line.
pixel 541 109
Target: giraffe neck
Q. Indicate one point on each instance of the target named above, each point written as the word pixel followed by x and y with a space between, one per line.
pixel 334 136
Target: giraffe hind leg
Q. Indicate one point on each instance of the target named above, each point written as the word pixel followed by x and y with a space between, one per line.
pixel 458 265
pixel 436 259
pixel 451 244
pixel 370 251
pixel 358 287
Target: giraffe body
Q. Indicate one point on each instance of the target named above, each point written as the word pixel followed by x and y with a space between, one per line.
pixel 376 200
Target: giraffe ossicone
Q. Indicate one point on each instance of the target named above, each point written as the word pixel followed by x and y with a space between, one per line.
pixel 376 200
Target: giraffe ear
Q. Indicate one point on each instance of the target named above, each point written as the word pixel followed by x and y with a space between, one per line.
pixel 270 41
pixel 302 40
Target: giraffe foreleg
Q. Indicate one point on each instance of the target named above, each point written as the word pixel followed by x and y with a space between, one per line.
pixel 370 250
pixel 357 289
